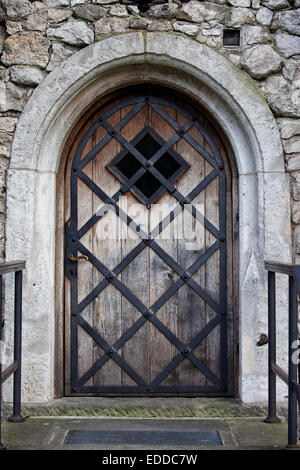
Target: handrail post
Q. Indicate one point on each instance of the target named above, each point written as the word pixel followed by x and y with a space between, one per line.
pixel 293 366
pixel 16 416
pixel 272 418
pixel 2 446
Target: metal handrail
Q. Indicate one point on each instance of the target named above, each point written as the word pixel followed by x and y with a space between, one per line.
pixel 15 367
pixel 290 378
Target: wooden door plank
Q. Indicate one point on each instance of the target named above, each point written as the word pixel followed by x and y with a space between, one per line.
pixel 161 276
pixel 84 342
pixel 85 279
pixel 107 248
pixel 135 276
pixel 191 308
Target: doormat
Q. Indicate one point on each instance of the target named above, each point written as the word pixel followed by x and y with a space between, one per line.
pixel 144 438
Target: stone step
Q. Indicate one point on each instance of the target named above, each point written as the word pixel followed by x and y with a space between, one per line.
pixel 144 407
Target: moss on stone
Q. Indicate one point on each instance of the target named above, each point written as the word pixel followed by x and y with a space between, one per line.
pixel 142 412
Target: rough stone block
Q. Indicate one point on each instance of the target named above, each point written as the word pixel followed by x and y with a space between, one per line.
pixel 76 33
pixel 296 213
pixel 291 145
pixel 157 25
pixel 104 2
pixel 264 16
pixel 89 12
pixel 260 61
pixel 167 10
pixel 26 49
pixel 4 74
pixel 240 3
pixel 57 15
pixel 293 164
pixel 57 3
pixel 276 4
pixel 297 234
pixel 138 23
pixel 8 124
pixel 255 4
pixel 288 127
pixel 287 21
pixel 283 99
pixel 18 8
pixel 118 10
pixel 103 26
pixel 2 38
pixel 287 45
pixel 291 71
pixel 13 27
pixel 198 11
pixel 12 97
pixel 253 35
pixel 240 16
pixel 111 25
pixel 28 76
pixel 35 23
pixel 60 52
pixel 189 29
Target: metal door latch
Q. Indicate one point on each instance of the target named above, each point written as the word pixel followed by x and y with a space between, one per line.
pixel 262 340
pixel 76 258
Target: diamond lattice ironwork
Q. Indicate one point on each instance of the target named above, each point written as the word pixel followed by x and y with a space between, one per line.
pixel 148 189
pixel 147 153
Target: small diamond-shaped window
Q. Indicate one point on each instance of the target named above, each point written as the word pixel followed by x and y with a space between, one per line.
pixel 148 188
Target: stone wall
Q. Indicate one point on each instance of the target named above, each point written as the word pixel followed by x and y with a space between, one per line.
pixel 37 36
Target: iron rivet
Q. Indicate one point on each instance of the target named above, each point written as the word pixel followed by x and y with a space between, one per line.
pixel 138 229
pixel 72 272
pixel 74 314
pixel 148 206
pixel 186 351
pixel 101 119
pixel 113 131
pixel 110 276
pixel 74 169
pixel 221 167
pixel 73 240
pixel 222 239
pixel 148 389
pixel 74 389
pixel 185 276
pixel 181 131
pixel 110 351
pixel 148 165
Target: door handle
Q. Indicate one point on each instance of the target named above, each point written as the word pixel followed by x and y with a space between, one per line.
pixel 76 258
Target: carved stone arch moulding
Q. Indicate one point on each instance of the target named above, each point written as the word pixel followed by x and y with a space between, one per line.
pixel 43 128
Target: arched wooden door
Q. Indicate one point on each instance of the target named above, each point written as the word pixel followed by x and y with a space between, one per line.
pixel 147 239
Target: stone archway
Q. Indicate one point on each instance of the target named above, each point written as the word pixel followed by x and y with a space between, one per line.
pixel 48 118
